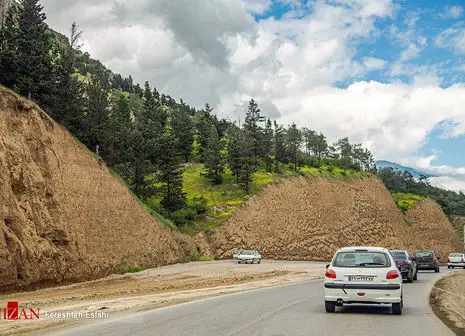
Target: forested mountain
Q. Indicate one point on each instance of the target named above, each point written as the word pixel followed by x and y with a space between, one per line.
pixel 142 134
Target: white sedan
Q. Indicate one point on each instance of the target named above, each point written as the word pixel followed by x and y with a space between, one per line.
pixel 363 274
pixel 248 256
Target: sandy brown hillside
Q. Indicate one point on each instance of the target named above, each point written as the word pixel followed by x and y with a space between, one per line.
pixel 62 216
pixel 309 219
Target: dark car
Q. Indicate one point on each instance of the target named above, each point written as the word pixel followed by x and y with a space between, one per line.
pixel 406 265
pixel 426 260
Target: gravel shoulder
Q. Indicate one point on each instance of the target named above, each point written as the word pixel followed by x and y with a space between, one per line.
pixel 153 288
pixel 448 301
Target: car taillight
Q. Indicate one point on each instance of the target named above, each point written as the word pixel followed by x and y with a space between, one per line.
pixel 392 274
pixel 402 264
pixel 448 259
pixel 330 274
pixel 462 260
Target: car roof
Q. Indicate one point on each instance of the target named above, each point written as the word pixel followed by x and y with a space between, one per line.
pixel 398 251
pixel 369 248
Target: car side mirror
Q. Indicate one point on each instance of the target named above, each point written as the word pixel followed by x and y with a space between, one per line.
pixel 327 266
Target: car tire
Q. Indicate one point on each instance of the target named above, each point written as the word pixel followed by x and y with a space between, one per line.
pixel 330 306
pixel 259 260
pixel 397 308
pixel 448 266
pixel 410 277
pixel 415 277
pixel 436 270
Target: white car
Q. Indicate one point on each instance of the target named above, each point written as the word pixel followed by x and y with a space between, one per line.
pixel 251 256
pixel 456 260
pixel 363 274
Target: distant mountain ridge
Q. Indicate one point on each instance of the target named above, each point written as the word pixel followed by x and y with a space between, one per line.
pixel 415 173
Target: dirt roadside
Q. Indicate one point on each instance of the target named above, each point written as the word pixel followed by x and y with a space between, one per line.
pixel 448 301
pixel 152 288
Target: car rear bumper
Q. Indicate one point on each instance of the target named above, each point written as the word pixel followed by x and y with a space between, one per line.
pixel 427 266
pixel 372 293
pixel 456 264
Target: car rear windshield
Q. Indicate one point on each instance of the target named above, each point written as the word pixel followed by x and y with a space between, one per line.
pixel 398 255
pixel 456 255
pixel 423 254
pixel 361 259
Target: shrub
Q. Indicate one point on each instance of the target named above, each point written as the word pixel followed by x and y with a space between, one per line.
pixel 136 269
pixel 182 216
pixel 198 204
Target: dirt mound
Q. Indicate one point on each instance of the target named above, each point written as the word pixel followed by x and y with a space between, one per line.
pixel 63 216
pixel 308 219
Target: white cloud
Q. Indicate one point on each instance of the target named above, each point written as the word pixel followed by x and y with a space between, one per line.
pixel 448 182
pixel 218 53
pixel 374 63
pixel 452 38
pixel 453 12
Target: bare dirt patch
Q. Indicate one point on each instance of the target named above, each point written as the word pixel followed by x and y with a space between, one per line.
pixel 154 288
pixel 448 301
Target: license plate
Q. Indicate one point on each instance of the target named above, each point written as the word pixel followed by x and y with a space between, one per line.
pixel 361 278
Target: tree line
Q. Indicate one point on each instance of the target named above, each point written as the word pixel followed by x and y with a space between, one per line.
pixel 452 203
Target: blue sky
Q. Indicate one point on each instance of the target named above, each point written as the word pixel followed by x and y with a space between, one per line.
pixel 415 21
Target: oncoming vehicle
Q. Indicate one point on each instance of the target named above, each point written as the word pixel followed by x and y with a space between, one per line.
pixel 426 260
pixel 406 265
pixel 456 260
pixel 364 274
pixel 251 256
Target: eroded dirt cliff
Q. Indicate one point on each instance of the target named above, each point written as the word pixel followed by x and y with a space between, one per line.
pixel 308 219
pixel 64 217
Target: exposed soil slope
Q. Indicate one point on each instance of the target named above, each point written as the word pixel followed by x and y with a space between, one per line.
pixel 308 219
pixel 63 217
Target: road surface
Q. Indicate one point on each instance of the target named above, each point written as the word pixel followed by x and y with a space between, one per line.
pixel 295 309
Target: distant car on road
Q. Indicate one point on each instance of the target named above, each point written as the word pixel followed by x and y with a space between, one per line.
pixel 249 256
pixel 426 260
pixel 406 265
pixel 363 274
pixel 456 260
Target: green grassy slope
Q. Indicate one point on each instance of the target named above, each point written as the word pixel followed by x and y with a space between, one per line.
pixel 224 199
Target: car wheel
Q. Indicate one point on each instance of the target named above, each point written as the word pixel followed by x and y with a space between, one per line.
pixel 330 306
pixel 410 277
pixel 436 270
pixel 397 308
pixel 453 267
pixel 260 260
pixel 415 277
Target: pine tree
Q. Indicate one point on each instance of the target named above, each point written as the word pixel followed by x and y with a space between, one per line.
pixel 234 150
pixel 214 162
pixel 121 127
pixel 345 152
pixel 253 119
pixel 8 48
pixel 267 144
pixel 183 128
pixel 170 173
pixel 34 43
pixel 248 161
pixel 279 147
pixel 294 141
pixel 321 147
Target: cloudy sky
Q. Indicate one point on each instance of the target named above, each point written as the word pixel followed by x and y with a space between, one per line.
pixel 387 73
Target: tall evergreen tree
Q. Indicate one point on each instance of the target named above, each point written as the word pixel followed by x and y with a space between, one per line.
pixel 170 173
pixel 345 152
pixel 248 161
pixel 214 162
pixel 8 48
pixel 183 129
pixel 34 42
pixel 279 147
pixel 234 150
pixel 253 120
pixel 294 141
pixel 267 144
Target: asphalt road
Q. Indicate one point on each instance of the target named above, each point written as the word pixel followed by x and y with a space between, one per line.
pixel 295 309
